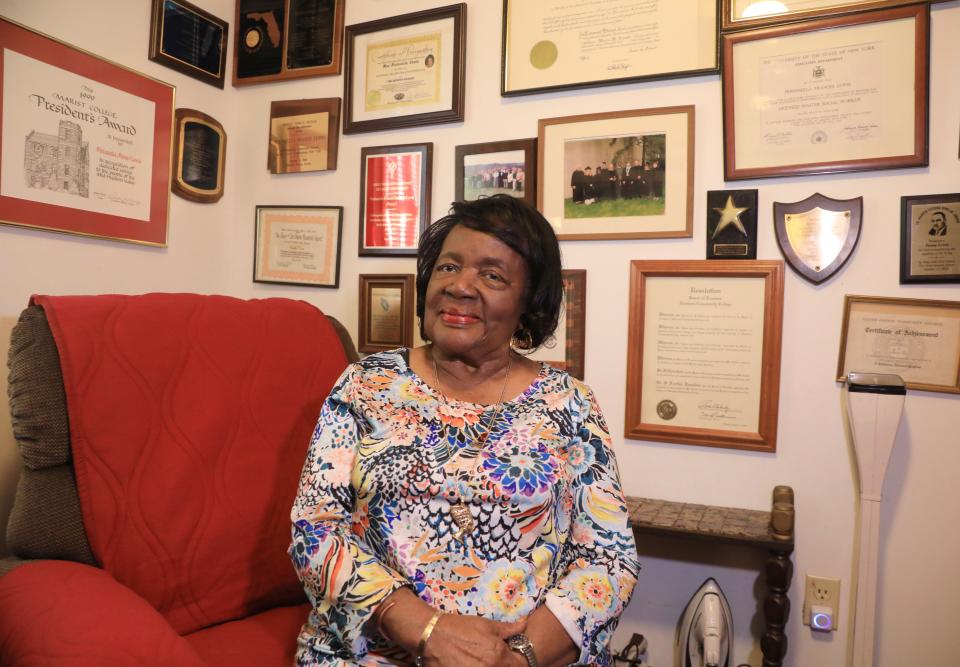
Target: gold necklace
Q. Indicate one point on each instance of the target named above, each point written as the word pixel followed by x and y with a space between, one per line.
pixel 459 512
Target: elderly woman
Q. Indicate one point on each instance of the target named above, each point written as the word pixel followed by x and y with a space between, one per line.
pixel 460 503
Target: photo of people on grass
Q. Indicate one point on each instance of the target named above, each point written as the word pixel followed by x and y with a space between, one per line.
pixel 487 174
pixel 615 176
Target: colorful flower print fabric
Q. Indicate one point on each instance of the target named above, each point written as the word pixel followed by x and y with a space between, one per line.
pixel 372 510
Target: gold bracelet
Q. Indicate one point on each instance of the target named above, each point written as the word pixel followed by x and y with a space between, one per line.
pixel 427 631
pixel 381 612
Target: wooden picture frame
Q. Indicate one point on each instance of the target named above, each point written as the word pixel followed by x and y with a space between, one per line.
pixel 395 192
pixel 854 99
pixel 703 359
pixel 508 167
pixel 653 198
pixel 930 239
pixel 386 312
pixel 278 40
pixel 298 245
pixel 567 352
pixel 190 40
pixel 200 148
pixel 406 71
pixel 917 339
pixel 555 45
pixel 734 16
pixel 304 135
pixel 101 170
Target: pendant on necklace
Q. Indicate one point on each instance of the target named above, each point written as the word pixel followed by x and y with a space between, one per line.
pixel 461 516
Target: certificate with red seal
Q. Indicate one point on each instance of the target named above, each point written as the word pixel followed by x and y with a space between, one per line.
pixel 394 199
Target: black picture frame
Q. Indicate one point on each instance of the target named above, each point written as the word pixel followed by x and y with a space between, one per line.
pixel 527 182
pixel 930 238
pixel 188 39
pixel 301 231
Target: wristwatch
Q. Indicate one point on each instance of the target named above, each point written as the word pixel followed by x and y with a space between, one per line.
pixel 521 644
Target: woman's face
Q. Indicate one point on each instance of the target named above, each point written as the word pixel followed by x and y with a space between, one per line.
pixel 475 296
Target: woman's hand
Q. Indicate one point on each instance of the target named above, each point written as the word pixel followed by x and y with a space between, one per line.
pixel 471 641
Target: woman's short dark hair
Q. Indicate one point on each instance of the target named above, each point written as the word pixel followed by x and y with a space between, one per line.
pixel 521 227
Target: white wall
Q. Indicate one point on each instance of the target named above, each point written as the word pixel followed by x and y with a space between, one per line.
pixel 211 250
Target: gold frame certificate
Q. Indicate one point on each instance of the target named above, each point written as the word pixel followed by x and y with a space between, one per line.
pixel 703 362
pixel 917 339
pixel 303 135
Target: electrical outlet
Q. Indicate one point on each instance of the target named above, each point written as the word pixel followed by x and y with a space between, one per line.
pixel 822 592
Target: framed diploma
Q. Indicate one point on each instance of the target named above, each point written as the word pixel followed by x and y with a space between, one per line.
pixel 406 71
pixel 565 350
pixel 617 175
pixel 298 245
pixel 189 40
pixel 287 39
pixel 394 198
pixel 930 239
pixel 200 146
pixel 85 141
pixel 386 312
pixel 304 135
pixel 556 45
pixel 703 362
pixel 497 167
pixel 917 339
pixel 847 93
pixel 741 14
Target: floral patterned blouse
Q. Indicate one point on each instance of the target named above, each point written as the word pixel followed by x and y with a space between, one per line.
pixel 372 511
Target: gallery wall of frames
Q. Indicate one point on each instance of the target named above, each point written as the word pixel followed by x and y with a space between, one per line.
pixel 749 207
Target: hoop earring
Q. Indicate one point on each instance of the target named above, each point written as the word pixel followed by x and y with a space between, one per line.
pixel 523 339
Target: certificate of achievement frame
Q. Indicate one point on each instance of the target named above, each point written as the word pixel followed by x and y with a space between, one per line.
pixel 189 40
pixel 287 39
pixel 917 339
pixel 566 350
pixel 298 245
pixel 643 183
pixel 559 45
pixel 840 94
pixel 394 198
pixel 930 239
pixel 741 14
pixel 200 147
pixel 703 362
pixel 304 135
pixel 86 141
pixel 406 71
pixel 386 312
pixel 506 167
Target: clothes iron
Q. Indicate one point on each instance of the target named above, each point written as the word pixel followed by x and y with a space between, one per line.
pixel 705 629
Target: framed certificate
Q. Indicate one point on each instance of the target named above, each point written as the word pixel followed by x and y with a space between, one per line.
pixel 386 312
pixel 565 350
pixel 200 147
pixel 917 339
pixel 298 245
pixel 85 141
pixel 741 14
pixel 556 44
pixel 394 198
pixel 847 93
pixel 287 39
pixel 617 175
pixel 304 135
pixel 703 362
pixel 406 70
pixel 189 40
pixel 504 167
pixel 930 239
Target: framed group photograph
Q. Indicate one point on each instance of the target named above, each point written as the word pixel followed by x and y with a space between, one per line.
pixel 287 39
pixel 565 350
pixel 200 147
pixel 304 135
pixel 703 362
pixel 838 94
pixel 556 45
pixel 406 71
pixel 395 187
pixel 617 175
pixel 85 141
pixel 497 167
pixel 298 245
pixel 189 40
pixel 930 239
pixel 917 339
pixel 386 312
pixel 743 14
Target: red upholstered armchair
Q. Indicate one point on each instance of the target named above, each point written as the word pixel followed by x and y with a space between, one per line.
pixel 162 437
